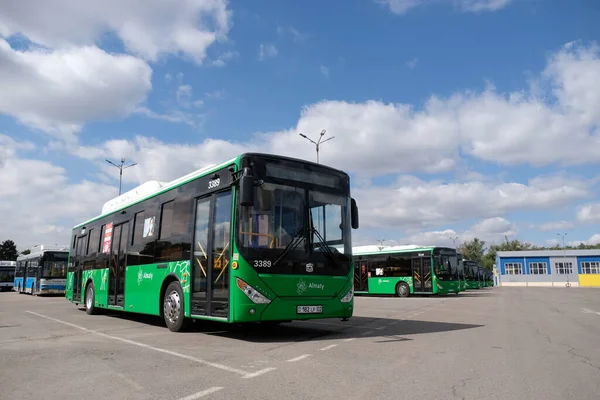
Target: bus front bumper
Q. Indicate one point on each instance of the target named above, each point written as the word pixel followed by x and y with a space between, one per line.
pixel 295 308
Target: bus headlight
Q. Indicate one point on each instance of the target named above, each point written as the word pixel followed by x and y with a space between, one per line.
pixel 252 293
pixel 348 296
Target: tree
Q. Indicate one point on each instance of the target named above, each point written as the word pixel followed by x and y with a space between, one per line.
pixel 25 252
pixel 473 250
pixel 8 251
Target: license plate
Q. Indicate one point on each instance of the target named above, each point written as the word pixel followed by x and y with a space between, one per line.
pixel 309 309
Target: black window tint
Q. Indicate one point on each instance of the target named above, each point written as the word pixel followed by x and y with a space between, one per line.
pixel 94 240
pixel 166 220
pixel 138 228
pixel 182 217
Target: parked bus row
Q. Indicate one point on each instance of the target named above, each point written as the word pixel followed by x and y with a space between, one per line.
pixel 257 238
pixel 412 269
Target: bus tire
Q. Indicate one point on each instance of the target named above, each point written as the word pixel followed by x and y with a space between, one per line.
pixel 402 289
pixel 90 299
pixel 173 307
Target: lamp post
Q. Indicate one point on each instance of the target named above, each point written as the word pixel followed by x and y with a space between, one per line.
pixel 381 246
pixel 565 256
pixel 121 168
pixel 318 142
pixel 454 240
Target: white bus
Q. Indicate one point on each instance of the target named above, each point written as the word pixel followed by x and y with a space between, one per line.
pixel 42 271
pixel 7 274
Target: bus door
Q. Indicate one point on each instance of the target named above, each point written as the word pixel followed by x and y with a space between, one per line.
pixel 78 268
pixel 210 259
pixel 421 269
pixel 361 278
pixel 116 278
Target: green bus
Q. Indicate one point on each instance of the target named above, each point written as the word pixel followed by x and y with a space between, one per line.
pixel 405 270
pixel 257 238
pixel 473 274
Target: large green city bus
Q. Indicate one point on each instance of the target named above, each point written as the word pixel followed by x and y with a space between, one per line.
pixel 473 275
pixel 405 270
pixel 258 238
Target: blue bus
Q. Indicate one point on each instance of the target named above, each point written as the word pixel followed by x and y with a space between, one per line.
pixel 42 271
pixel 7 274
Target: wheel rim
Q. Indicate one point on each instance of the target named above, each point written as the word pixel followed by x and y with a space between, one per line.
pixel 88 298
pixel 172 306
pixel 403 290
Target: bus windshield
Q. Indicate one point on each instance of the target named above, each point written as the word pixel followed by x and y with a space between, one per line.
pixel 295 225
pixel 55 265
pixel 446 267
pixel 7 274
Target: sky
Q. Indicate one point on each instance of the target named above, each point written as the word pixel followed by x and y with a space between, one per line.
pixel 454 118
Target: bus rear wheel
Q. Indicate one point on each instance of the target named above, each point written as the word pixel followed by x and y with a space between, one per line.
pixel 90 299
pixel 173 307
pixel 402 289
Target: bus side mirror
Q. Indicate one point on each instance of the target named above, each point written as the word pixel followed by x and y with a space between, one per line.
pixel 354 214
pixel 247 190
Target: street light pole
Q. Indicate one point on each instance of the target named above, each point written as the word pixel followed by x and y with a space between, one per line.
pixel 121 168
pixel 565 256
pixel 317 143
pixel 454 240
pixel 381 246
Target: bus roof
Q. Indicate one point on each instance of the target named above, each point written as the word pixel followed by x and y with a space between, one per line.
pixel 153 188
pixel 378 249
pixel 40 249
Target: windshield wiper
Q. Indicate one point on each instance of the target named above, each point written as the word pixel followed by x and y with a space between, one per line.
pixel 291 245
pixel 324 244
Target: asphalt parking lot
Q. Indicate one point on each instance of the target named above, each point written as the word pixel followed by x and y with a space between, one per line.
pixel 500 343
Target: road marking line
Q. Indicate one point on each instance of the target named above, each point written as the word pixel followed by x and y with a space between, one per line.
pixel 348 340
pixel 157 349
pixel 367 333
pixel 257 373
pixel 302 357
pixel 331 346
pixel 202 393
pixel 588 311
pixel 380 328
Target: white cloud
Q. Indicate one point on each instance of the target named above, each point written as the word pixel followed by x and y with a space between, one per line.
pixel 589 213
pixel 57 92
pixel 324 71
pixel 415 203
pixel 223 58
pixel 266 50
pixel 147 28
pixel 594 239
pixel 401 7
pixel 412 63
pixel 48 205
pixel 524 127
pixel 491 230
pixel 555 226
pixel 156 158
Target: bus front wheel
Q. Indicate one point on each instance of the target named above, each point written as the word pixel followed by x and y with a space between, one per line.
pixel 173 307
pixel 402 289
